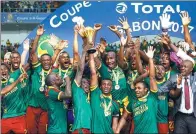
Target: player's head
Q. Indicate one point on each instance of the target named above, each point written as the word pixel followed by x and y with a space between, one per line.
pixel 106 86
pixel 53 79
pixel 4 71
pixel 15 60
pixel 64 60
pixel 46 61
pixel 160 72
pixel 141 89
pixel 85 84
pixel 111 59
pixel 165 60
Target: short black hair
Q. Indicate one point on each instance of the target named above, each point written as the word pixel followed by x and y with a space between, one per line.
pixel 142 82
pixel 4 64
pixel 45 55
pixel 48 79
pixel 15 52
pixel 106 79
pixel 64 52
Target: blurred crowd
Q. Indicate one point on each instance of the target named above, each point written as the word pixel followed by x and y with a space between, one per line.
pixel 9 47
pixel 30 6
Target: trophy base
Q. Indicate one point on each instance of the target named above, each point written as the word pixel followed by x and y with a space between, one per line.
pixel 91 51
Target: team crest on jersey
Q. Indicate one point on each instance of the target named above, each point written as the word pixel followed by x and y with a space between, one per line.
pixel 11 80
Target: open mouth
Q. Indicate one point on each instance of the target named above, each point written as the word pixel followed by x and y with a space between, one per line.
pixel 66 63
pixel 16 65
pixel 4 76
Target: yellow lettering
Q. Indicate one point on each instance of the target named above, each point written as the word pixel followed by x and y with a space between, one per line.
pixel 141 109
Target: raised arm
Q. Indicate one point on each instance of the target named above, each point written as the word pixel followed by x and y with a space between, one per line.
pixel 10 87
pixel 33 54
pixel 185 21
pixel 153 84
pixel 166 40
pixel 94 79
pixel 126 27
pixel 97 27
pixel 76 56
pixel 114 29
pixel 60 46
pixel 122 121
pixel 121 58
pixel 67 93
pixel 80 68
pixel 139 66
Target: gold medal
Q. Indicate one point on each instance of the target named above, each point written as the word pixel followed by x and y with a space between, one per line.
pixel 117 87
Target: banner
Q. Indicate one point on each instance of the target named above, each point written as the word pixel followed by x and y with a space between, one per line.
pixel 143 18
pixel 23 17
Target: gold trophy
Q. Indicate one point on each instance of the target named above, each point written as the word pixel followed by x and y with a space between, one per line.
pixel 89 33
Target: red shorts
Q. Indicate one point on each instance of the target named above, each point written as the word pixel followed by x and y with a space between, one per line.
pixel 15 124
pixel 37 120
pixel 163 128
pixel 83 130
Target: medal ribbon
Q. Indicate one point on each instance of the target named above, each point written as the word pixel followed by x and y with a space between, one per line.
pixel 116 76
pixel 43 77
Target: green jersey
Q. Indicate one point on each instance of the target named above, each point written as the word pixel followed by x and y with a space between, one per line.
pixel 14 103
pixel 56 112
pixel 82 108
pixel 118 80
pixel 103 109
pixel 144 113
pixel 169 73
pixel 162 113
pixel 38 98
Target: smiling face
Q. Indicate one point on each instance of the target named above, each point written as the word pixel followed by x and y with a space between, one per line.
pixel 111 60
pixel 46 62
pixel 106 86
pixel 15 61
pixel 186 68
pixel 140 90
pixel 64 60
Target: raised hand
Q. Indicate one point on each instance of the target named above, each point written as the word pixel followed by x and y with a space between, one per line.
pixel 53 40
pixel 137 44
pixel 26 44
pixel 97 27
pixel 165 21
pixel 185 17
pixel 179 79
pixel 123 41
pixel 101 47
pixel 113 28
pixel 124 23
pixel 22 77
pixel 80 30
pixel 62 44
pixel 40 30
pixel 164 39
pixel 150 52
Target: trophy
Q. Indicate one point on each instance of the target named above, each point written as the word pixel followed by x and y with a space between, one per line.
pixel 91 51
pixel 89 33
